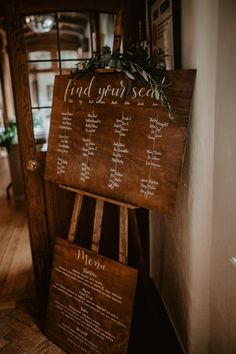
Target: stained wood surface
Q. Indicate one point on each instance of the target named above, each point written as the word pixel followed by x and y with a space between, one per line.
pixel 90 301
pixel 118 33
pixel 30 6
pixel 123 235
pixel 75 217
pixel 34 188
pixel 124 148
pixel 97 225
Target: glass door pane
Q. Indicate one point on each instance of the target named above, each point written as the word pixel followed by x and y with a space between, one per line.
pixel 55 43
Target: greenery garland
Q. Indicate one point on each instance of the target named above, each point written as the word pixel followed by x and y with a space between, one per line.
pixel 135 64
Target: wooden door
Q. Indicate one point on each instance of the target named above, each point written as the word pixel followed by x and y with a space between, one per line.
pixel 41 205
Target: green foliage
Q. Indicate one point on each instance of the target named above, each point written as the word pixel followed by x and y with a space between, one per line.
pixel 233 261
pixel 135 64
pixel 8 135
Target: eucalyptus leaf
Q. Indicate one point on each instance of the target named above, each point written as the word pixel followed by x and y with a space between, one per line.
pixel 133 68
pixel 157 95
pixel 128 74
pixel 145 75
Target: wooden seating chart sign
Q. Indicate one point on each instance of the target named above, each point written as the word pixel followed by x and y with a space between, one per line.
pixel 122 146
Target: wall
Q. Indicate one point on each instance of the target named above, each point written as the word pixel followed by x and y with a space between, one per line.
pixel 223 274
pixel 190 251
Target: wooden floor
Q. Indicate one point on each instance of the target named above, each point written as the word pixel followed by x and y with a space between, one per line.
pixel 19 332
pixel 16 274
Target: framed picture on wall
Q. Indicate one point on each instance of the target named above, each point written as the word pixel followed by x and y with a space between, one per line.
pixel 164 22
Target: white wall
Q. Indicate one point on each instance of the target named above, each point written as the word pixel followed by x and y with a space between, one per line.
pixel 223 274
pixel 190 252
pixel 199 50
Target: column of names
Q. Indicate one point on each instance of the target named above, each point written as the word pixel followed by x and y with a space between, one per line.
pixel 148 185
pixel 89 147
pixel 63 146
pixel 119 150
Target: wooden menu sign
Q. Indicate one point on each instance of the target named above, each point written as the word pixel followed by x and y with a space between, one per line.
pixel 125 147
pixel 90 301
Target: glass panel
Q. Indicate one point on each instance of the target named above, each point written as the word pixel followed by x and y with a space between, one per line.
pixel 69 54
pixel 40 32
pixel 102 30
pixel 38 56
pixel 41 88
pixel 67 66
pixel 41 122
pixel 74 33
pixel 107 24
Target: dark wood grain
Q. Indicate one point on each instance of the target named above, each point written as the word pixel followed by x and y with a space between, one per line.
pixel 126 148
pixel 33 181
pixel 30 6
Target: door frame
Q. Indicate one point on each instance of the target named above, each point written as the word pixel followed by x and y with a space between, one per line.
pixel 32 160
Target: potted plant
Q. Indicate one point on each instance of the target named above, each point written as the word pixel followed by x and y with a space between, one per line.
pixel 8 140
pixel 8 135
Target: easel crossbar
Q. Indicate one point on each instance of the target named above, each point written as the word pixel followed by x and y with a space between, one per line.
pixel 96 196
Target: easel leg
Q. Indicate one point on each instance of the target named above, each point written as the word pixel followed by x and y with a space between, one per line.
pixel 123 244
pixel 75 217
pixel 139 251
pixel 97 226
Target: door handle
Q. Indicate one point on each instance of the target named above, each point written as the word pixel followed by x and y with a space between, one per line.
pixel 32 165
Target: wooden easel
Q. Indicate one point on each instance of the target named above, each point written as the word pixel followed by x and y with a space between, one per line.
pixel 126 213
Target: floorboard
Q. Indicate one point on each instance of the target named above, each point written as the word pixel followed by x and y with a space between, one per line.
pixel 19 334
